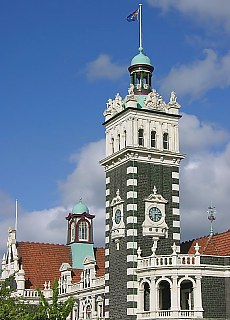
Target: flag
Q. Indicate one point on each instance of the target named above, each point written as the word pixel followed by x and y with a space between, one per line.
pixel 133 16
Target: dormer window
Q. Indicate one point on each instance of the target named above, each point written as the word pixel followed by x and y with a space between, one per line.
pixel 153 139
pixel 141 137
pixel 165 141
pixel 83 231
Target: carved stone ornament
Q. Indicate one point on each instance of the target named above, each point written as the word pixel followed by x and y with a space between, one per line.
pixel 118 226
pixel 155 102
pixel 154 224
pixel 173 101
pixel 113 107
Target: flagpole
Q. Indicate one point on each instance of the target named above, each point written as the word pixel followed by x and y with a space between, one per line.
pixel 16 214
pixel 140 30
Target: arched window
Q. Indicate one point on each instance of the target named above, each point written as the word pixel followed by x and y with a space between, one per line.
pixel 146 297
pixel 119 141
pixel 125 138
pixel 165 140
pixel 153 139
pixel 72 232
pixel 83 231
pixel 112 143
pixel 88 312
pixel 186 295
pixel 164 295
pixel 141 137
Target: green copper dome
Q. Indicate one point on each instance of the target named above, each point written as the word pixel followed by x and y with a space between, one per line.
pixel 80 207
pixel 140 58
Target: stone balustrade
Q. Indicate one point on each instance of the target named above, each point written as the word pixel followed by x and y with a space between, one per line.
pixel 168 260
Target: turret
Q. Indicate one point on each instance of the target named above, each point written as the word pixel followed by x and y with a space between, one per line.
pixel 80 234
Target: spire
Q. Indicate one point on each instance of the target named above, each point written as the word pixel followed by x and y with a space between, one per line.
pixel 211 217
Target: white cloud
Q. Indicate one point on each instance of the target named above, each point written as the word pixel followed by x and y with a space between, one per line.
pixel 197 136
pixel 87 181
pixel 206 11
pixel 104 68
pixel 201 75
pixel 205 177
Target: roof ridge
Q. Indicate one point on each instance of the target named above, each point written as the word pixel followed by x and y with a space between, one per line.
pixel 36 242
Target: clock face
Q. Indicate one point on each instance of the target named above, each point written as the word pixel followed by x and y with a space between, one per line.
pixel 118 216
pixel 155 214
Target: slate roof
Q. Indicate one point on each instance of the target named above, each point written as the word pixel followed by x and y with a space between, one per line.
pixel 42 261
pixel 217 245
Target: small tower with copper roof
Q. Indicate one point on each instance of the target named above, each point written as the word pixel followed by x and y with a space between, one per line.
pixel 80 234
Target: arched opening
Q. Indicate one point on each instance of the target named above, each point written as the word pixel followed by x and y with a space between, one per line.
pixel 164 295
pixel 72 231
pixel 112 143
pixel 141 137
pixel 165 140
pixel 83 231
pixel 125 138
pixel 88 312
pixel 146 297
pixel 153 139
pixel 119 141
pixel 186 295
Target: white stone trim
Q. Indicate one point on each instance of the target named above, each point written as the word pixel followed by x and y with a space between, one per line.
pixel 106 264
pixel 106 239
pixel 132 284
pixel 131 170
pixel 175 199
pixel 131 258
pixel 176 211
pixel 107 180
pixel 131 182
pixel 131 311
pixel 107 192
pixel 107 204
pixel 106 252
pixel 107 276
pixel 131 271
pixel 176 224
pixel 132 232
pixel 175 175
pixel 175 187
pixel 106 302
pixel 107 315
pixel 176 236
pixel 131 219
pixel 131 245
pixel 131 297
pixel 131 194
pixel 107 215
pixel 131 207
pixel 106 289
pixel 107 227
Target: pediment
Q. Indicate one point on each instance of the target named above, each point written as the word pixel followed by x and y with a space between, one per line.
pixel 155 197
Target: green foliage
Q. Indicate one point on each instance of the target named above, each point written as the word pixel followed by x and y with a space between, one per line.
pixel 55 310
pixel 11 308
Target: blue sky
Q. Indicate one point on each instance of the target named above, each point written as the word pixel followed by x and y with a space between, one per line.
pixel 60 61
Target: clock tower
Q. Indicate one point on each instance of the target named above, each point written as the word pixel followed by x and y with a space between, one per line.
pixel 142 184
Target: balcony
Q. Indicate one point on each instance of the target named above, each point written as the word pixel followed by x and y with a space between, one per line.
pixel 169 314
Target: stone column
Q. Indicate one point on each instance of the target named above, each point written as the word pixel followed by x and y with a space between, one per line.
pixel 174 297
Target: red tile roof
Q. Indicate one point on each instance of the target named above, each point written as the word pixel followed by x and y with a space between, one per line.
pixel 218 245
pixel 100 259
pixel 42 261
